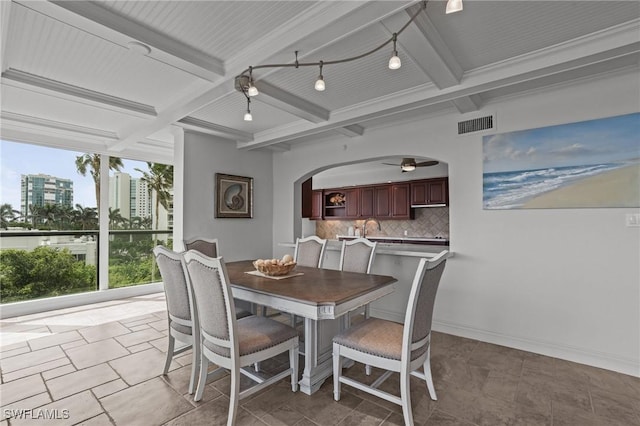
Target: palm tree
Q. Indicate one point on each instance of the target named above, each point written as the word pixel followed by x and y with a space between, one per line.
pixel 8 214
pixel 115 218
pixel 34 215
pixel 49 214
pixel 87 217
pixel 159 179
pixel 91 163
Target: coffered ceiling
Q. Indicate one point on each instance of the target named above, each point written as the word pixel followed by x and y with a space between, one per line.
pixel 115 76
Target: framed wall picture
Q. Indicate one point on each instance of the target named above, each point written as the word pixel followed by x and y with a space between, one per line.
pixel 234 196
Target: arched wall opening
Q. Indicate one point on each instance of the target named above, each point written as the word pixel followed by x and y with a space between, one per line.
pixel 364 171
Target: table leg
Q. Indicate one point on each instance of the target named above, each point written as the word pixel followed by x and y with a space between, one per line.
pixel 318 352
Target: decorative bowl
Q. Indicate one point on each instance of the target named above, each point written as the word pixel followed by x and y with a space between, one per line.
pixel 274 270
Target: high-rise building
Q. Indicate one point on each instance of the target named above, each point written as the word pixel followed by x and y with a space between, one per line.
pixel 119 197
pixel 140 201
pixel 40 190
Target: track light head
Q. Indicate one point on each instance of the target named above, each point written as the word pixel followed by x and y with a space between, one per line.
pixel 453 6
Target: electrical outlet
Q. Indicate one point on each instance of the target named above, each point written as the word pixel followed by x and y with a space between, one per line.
pixel 633 219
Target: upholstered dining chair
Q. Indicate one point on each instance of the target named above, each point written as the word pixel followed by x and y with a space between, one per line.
pixel 179 310
pixel 357 256
pixel 392 346
pixel 230 343
pixel 309 251
pixel 210 247
pixel 206 246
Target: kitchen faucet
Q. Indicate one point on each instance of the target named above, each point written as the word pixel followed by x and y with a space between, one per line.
pixel 364 226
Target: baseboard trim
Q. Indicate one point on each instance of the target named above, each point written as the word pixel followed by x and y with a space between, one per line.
pixel 604 360
pixel 569 353
pixel 10 310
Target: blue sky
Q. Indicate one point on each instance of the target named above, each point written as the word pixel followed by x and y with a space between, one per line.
pixel 606 140
pixel 18 158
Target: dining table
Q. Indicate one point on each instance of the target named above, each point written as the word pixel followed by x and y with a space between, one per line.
pixel 323 297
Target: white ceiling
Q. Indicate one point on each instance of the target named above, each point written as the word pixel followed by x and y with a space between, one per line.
pixel 69 72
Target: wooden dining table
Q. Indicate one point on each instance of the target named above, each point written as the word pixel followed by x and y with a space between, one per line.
pixel 323 297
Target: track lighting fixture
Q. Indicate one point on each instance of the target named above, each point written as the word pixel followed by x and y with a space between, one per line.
pixel 453 6
pixel 320 81
pixel 247 115
pixel 394 62
pixel 244 82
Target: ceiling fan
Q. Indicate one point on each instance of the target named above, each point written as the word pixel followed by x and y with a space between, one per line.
pixel 409 164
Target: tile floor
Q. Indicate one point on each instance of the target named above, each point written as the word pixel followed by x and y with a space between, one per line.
pixel 100 365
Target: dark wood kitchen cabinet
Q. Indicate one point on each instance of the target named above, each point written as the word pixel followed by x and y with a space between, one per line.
pixel 352 203
pixel 317 210
pixel 400 202
pixel 375 201
pixel 430 192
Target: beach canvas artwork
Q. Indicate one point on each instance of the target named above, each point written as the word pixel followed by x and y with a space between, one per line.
pixel 588 164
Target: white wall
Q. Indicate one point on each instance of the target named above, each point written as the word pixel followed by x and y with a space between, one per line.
pixel 561 282
pixel 206 155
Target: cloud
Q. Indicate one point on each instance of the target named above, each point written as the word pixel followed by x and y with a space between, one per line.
pixel 572 150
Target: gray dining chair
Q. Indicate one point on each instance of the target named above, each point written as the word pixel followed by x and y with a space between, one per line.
pixel 309 251
pixel 210 247
pixel 231 343
pixel 179 309
pixel 394 347
pixel 357 256
pixel 206 246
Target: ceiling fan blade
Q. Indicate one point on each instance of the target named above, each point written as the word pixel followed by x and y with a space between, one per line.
pixel 427 163
pixel 389 164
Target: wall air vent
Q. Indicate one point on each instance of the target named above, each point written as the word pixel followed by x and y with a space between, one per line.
pixel 475 124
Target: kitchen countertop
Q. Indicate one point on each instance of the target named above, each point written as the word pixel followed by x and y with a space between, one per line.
pixel 399 240
pixel 391 249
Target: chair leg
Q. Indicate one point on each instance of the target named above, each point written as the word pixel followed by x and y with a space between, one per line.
pixel 234 396
pixel 337 371
pixel 367 370
pixel 195 360
pixel 427 374
pixel 367 311
pixel 202 380
pixel 293 363
pixel 405 395
pixel 170 349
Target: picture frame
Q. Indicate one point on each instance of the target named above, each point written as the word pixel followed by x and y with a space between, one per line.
pixel 234 196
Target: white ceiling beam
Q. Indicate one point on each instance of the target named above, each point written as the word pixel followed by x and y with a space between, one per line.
pixel 175 52
pixel 467 104
pixel 286 101
pixel 576 54
pixel 18 78
pixel 58 125
pixel 351 131
pixel 203 126
pixel 312 24
pixel 5 22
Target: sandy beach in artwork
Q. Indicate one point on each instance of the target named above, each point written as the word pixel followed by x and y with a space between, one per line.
pixel 614 188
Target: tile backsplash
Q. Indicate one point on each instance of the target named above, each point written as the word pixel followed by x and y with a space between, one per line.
pixel 429 222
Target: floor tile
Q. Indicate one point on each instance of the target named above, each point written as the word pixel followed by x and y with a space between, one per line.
pixel 100 420
pixel 96 353
pixel 54 340
pixel 30 359
pixel 109 388
pixel 103 331
pixel 80 380
pixel 56 372
pixel 38 368
pixel 149 403
pixel 365 414
pixel 140 366
pixel 29 403
pixel 72 410
pixel 21 388
pixel 137 337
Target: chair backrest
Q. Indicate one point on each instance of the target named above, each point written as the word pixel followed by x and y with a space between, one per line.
pixel 422 297
pixel 207 246
pixel 176 285
pixel 310 251
pixel 214 300
pixel 357 255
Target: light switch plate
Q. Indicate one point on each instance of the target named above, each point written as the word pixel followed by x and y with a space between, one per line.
pixel 633 219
